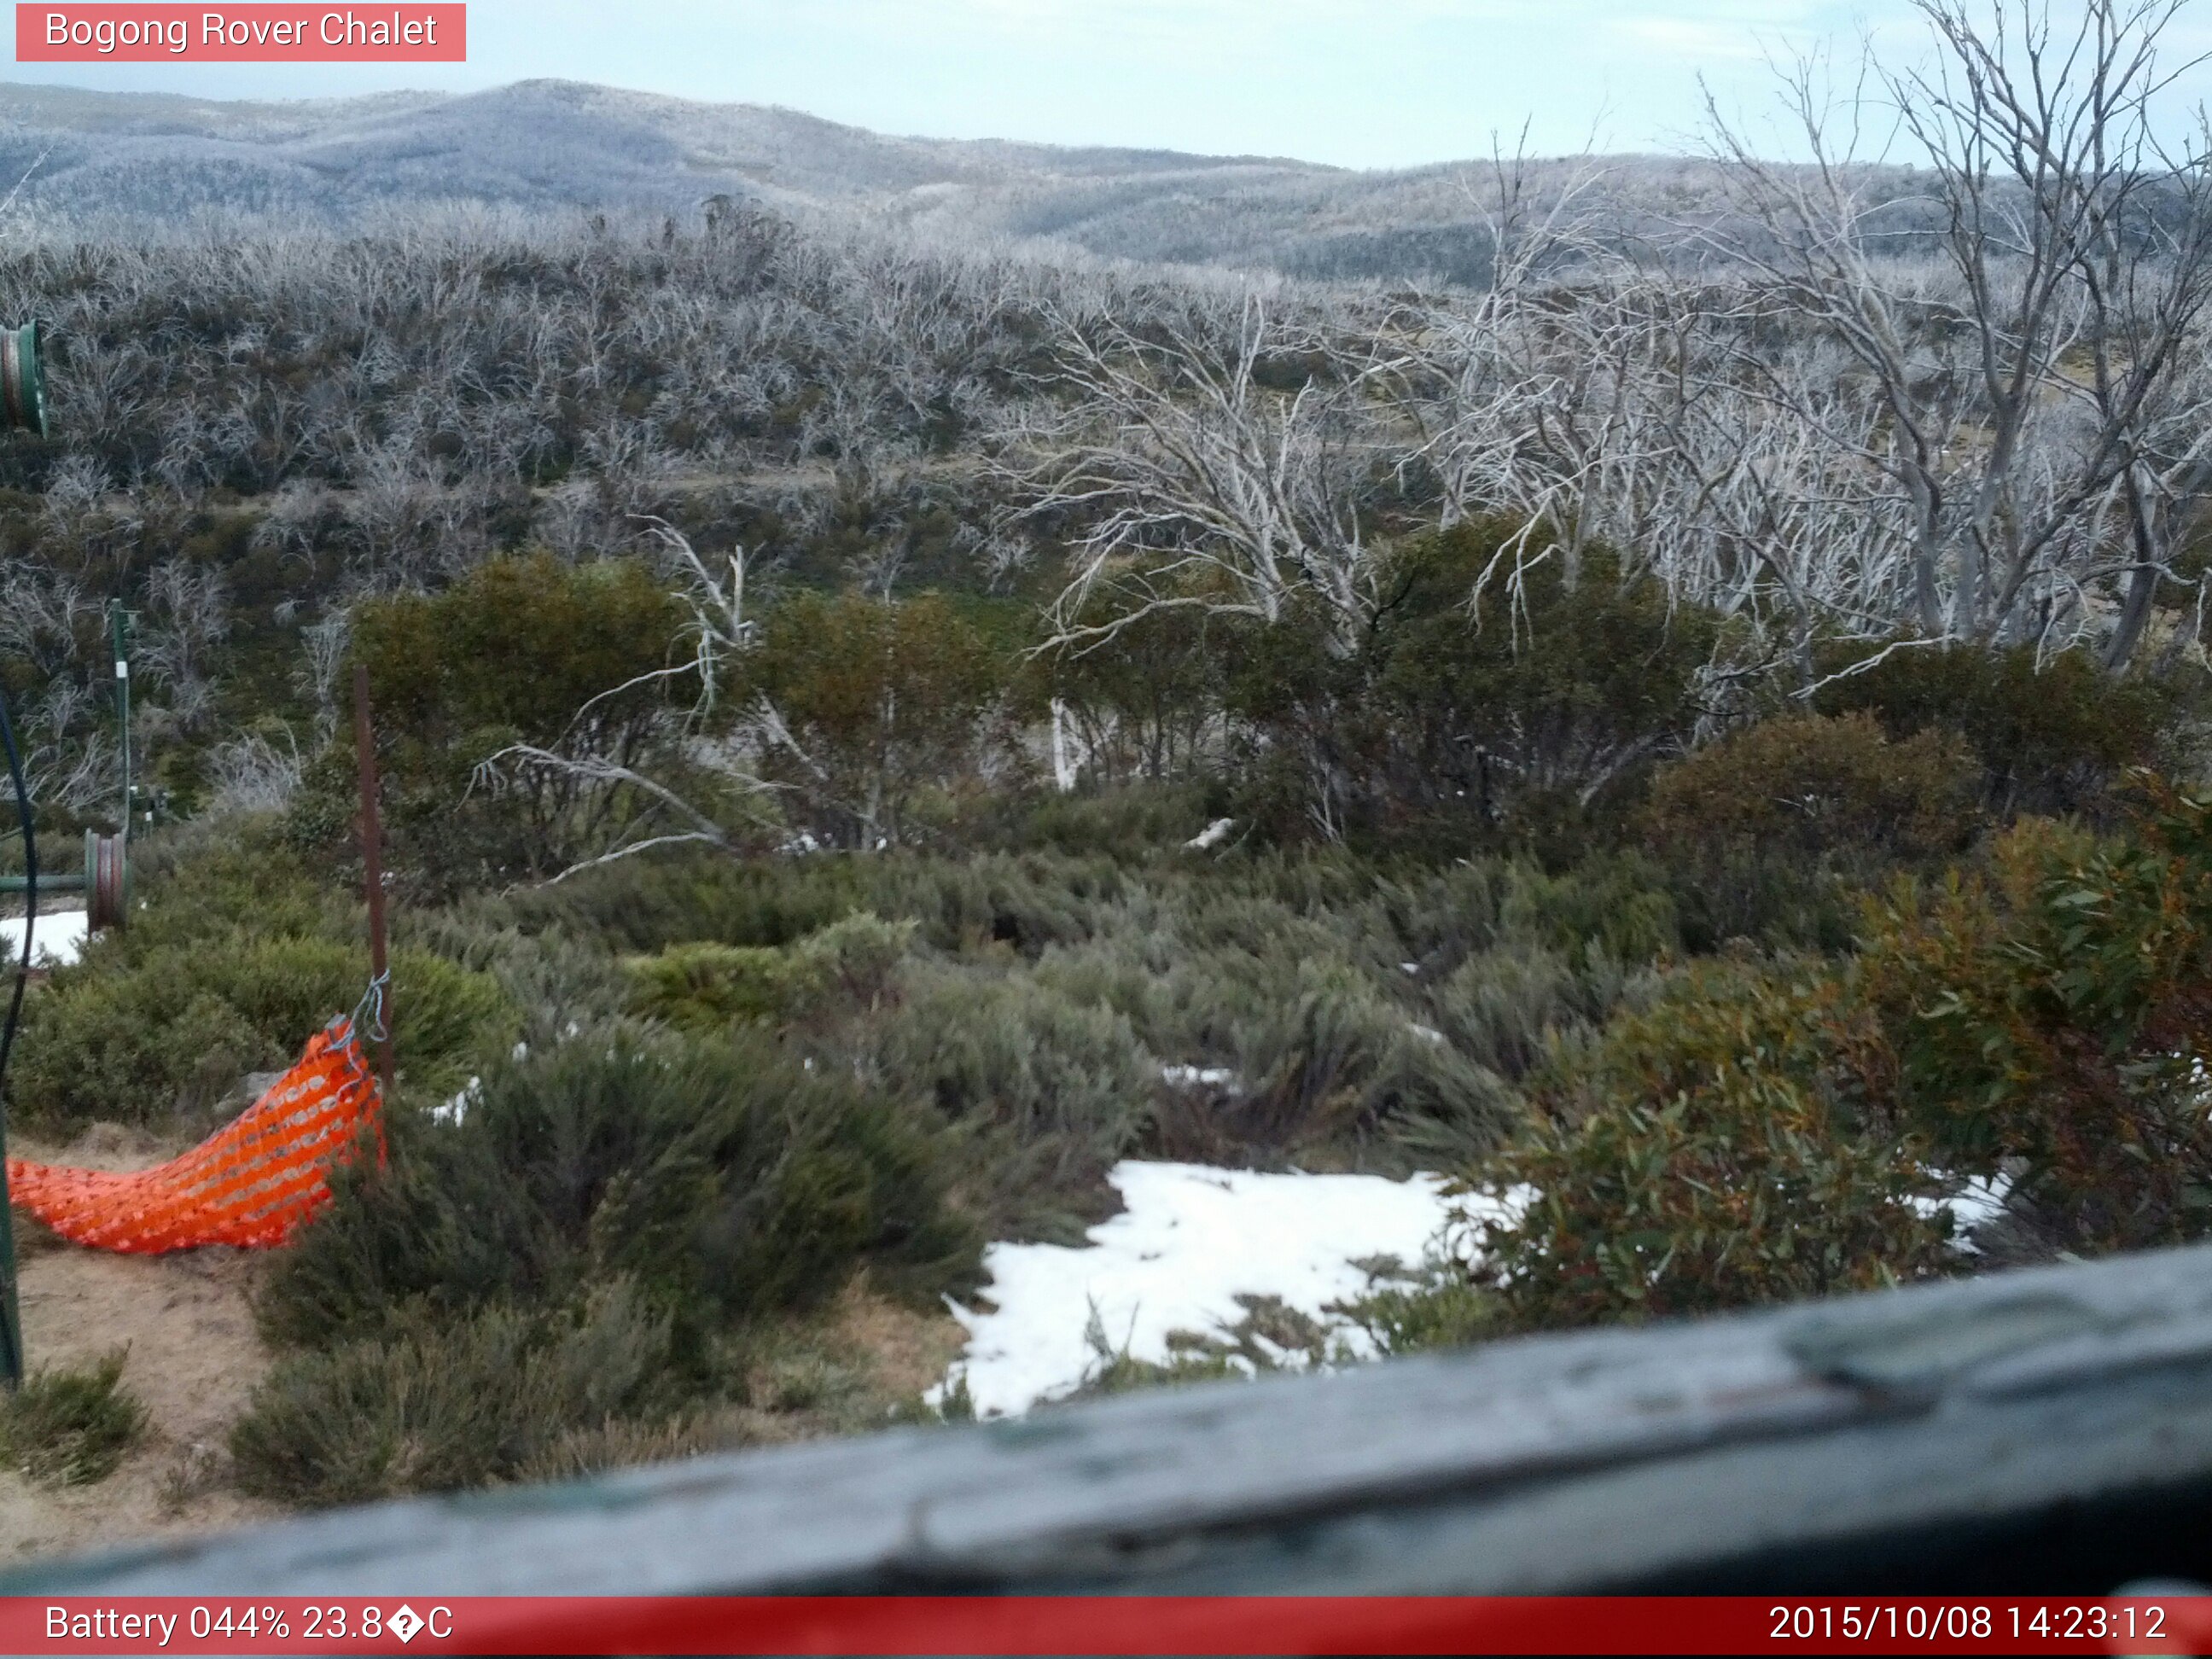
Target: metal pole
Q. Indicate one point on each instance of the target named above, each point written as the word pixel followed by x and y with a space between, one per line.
pixel 119 623
pixel 372 859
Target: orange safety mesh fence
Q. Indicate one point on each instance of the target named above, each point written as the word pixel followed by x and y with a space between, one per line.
pixel 254 1183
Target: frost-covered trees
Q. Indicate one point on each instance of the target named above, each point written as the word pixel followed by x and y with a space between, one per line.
pixel 1968 401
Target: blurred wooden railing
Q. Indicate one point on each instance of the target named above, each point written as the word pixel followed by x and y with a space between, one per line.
pixel 2047 1431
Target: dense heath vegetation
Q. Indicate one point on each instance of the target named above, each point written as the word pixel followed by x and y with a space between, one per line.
pixel 1731 1012
pixel 871 739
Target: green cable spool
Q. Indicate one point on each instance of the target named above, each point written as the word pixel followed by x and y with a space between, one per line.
pixel 22 380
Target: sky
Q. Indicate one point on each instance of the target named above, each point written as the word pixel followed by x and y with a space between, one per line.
pixel 1375 83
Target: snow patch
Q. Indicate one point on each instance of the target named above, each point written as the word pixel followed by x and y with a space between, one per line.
pixel 1978 1200
pixel 1212 836
pixel 1197 1077
pixel 458 1107
pixel 1192 1240
pixel 57 937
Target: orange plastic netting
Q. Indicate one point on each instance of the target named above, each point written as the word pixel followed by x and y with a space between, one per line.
pixel 252 1183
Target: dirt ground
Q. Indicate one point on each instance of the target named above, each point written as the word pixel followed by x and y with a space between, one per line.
pixel 194 1359
pixel 907 1352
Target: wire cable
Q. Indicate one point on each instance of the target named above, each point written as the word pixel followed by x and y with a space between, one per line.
pixel 11 1328
pixel 30 886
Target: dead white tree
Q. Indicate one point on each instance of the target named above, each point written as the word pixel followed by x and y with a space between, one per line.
pixel 322 645
pixel 249 774
pixel 1187 475
pixel 2036 407
pixel 190 616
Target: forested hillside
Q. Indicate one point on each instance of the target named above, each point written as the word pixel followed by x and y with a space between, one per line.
pixel 1704 746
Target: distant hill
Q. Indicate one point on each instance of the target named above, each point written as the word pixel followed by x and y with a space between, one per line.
pixel 140 159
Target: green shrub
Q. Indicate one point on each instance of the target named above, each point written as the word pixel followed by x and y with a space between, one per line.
pixel 2053 734
pixel 173 1031
pixel 704 987
pixel 70 1427
pixel 1134 824
pixel 1696 1160
pixel 1423 1310
pixel 1346 1011
pixel 2055 1011
pixel 1027 902
pixel 646 904
pixel 441 1405
pixel 1056 1091
pixel 1807 785
pixel 1338 1063
pixel 886 700
pixel 1508 1009
pixel 722 1178
pixel 1759 1136
pixel 1441 727
pixel 629 1443
pixel 524 650
pixel 855 959
pixel 195 881
pixel 1613 909
pixel 556 980
pixel 1726 897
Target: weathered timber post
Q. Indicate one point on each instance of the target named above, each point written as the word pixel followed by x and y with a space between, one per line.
pixel 372 860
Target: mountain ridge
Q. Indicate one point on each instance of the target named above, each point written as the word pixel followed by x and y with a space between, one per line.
pixel 100 162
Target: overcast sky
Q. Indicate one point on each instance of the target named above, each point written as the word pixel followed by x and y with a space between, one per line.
pixel 1357 82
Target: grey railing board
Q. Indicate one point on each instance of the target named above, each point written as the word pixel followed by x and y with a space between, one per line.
pixel 1550 1463
pixel 1221 1456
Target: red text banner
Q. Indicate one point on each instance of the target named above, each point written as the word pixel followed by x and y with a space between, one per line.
pixel 256 34
pixel 1022 1626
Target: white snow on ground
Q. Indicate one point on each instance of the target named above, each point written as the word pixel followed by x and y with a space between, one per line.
pixel 1982 1200
pixel 55 938
pixel 456 1108
pixel 1212 836
pixel 1979 1200
pixel 1197 1077
pixel 1192 1239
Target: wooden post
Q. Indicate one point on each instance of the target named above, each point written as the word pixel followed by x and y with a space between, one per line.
pixel 372 860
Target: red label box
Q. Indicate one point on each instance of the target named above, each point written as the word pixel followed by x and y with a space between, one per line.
pixel 255 34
